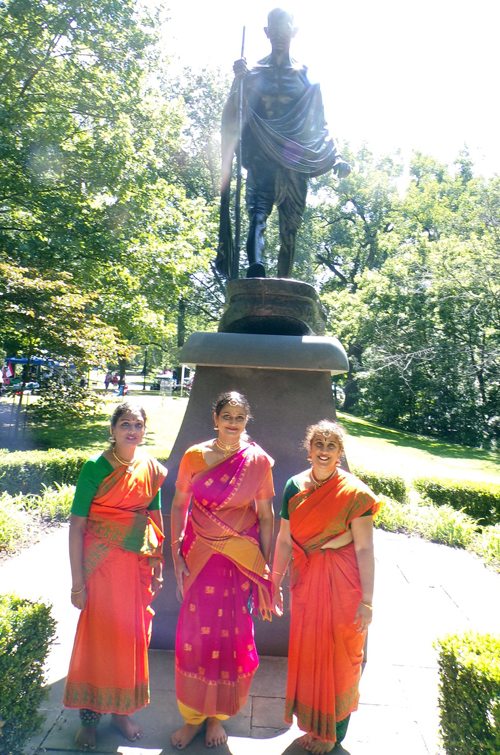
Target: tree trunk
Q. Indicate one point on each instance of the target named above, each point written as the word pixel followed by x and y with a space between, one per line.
pixel 181 323
pixel 354 352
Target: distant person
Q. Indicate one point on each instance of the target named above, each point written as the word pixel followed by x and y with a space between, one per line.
pixel 115 380
pixel 327 526
pixel 221 553
pixel 107 380
pixel 115 577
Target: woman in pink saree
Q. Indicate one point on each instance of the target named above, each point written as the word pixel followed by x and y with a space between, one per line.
pixel 221 551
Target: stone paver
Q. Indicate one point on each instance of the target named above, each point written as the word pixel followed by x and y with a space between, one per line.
pixel 423 591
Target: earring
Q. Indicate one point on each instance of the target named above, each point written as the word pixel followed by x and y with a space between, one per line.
pixel 112 439
pixel 216 427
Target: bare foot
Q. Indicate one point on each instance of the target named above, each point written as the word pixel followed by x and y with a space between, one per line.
pixel 128 728
pixel 185 735
pixel 312 744
pixel 85 738
pixel 215 734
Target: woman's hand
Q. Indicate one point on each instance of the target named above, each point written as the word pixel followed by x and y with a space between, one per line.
pixel 79 599
pixel 157 580
pixel 277 601
pixel 364 617
pixel 180 570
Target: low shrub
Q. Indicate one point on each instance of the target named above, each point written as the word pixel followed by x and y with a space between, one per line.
pixel 383 483
pixel 28 471
pixel 26 632
pixel 22 516
pixel 15 523
pixel 54 504
pixel 469 693
pixel 441 524
pixel 486 544
pixel 480 500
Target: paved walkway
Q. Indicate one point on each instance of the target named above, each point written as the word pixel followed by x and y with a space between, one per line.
pixel 423 591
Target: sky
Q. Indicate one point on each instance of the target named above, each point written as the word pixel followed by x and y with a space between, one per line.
pixel 395 74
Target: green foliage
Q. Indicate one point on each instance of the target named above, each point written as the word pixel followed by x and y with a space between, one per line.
pixel 66 403
pixel 440 524
pixel 54 503
pixel 28 471
pixel 22 515
pixel 420 322
pixel 469 697
pixel 26 631
pixel 15 522
pixel 480 500
pixel 383 483
pixel 486 544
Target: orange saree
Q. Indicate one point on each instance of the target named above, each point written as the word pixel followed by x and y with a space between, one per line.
pixel 326 651
pixel 108 670
pixel 216 656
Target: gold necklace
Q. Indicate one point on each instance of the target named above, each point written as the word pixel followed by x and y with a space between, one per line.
pixel 124 462
pixel 227 448
pixel 319 483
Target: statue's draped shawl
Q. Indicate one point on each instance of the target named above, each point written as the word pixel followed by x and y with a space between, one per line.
pixel 298 141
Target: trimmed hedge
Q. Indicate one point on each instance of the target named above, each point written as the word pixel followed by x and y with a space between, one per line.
pixel 469 696
pixel 383 483
pixel 28 471
pixel 26 631
pixel 478 499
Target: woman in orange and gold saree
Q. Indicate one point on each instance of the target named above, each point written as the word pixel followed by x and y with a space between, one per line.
pixel 327 528
pixel 221 551
pixel 115 540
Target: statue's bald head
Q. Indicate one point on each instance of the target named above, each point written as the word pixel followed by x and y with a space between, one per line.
pixel 280 29
pixel 279 16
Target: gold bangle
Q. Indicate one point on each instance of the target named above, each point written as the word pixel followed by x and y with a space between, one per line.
pixel 77 592
pixel 158 579
pixel 179 540
pixel 281 574
pixel 366 605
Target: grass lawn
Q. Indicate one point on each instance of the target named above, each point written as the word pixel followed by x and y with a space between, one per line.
pixel 375 447
pixel 164 420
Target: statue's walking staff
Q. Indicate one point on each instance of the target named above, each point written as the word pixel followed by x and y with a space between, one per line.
pixel 237 207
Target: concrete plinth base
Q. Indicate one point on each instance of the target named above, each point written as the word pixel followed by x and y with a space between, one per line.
pixel 287 380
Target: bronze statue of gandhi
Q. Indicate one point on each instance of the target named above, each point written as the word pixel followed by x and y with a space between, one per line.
pixel 285 141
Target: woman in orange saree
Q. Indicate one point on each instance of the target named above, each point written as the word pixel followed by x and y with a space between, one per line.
pixel 221 552
pixel 116 537
pixel 327 527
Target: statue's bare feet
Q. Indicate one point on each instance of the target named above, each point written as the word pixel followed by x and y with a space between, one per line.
pixel 185 735
pixel 85 738
pixel 312 744
pixel 215 734
pixel 128 728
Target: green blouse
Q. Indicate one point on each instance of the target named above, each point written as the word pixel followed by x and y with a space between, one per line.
pixel 94 471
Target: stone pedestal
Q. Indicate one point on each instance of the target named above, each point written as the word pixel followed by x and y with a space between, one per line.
pixel 287 380
pixel 272 306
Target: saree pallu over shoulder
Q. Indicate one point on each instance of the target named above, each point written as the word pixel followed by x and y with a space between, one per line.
pixel 224 521
pixel 118 515
pixel 319 515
